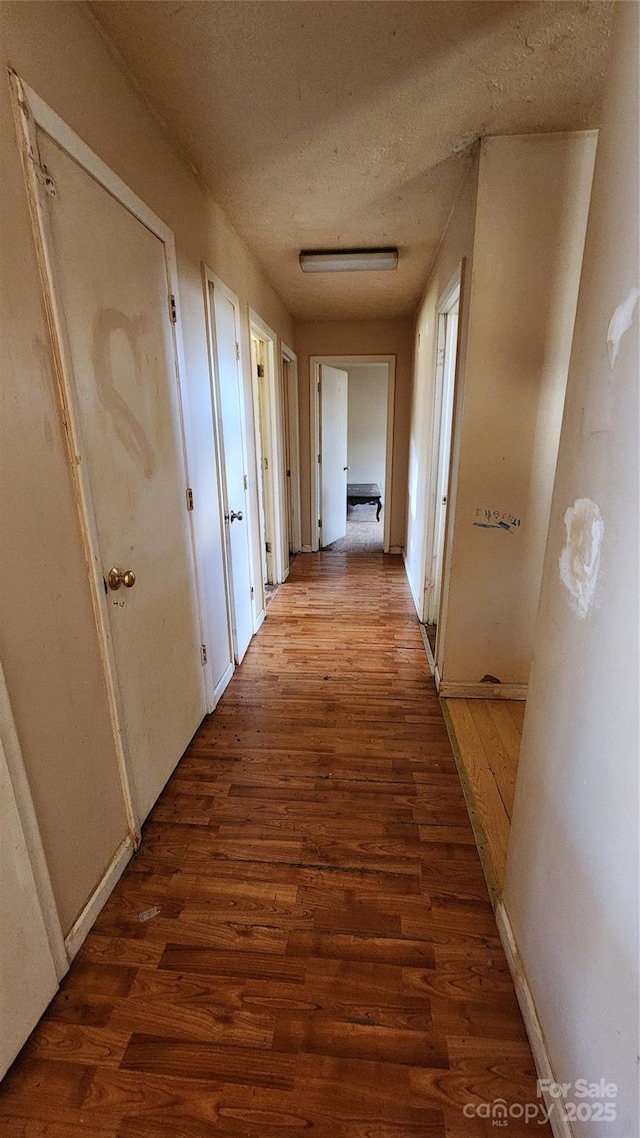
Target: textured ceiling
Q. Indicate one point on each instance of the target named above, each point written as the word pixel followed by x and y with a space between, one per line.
pixel 344 124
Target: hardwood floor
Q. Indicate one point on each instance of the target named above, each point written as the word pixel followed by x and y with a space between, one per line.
pixel 304 945
pixel 487 736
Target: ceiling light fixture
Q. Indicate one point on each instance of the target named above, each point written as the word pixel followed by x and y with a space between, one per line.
pixel 348 260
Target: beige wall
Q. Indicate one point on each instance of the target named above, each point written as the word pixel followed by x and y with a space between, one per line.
pixel 367 423
pixel 532 203
pixel 352 338
pixel 48 642
pixel 456 247
pixel 572 873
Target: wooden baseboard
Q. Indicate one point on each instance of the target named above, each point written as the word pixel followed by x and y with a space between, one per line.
pixel 82 925
pixel 560 1125
pixel 450 689
pixel 396 549
pixel 222 683
pixel 306 549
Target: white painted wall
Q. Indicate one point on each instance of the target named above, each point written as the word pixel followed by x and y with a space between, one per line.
pixel 519 225
pixel 532 205
pixel 367 423
pixel 572 873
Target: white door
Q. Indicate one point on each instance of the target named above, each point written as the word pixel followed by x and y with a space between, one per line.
pixel 232 430
pixel 444 463
pixel 333 451
pixel 112 287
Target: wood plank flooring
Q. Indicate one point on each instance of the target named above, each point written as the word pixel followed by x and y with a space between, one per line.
pixel 304 945
pixel 488 733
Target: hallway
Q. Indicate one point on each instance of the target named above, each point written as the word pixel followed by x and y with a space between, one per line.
pixel 304 944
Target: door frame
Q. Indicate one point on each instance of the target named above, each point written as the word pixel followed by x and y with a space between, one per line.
pixel 30 112
pixel 211 281
pixel 290 396
pixel 347 360
pixel 445 301
pixel 271 448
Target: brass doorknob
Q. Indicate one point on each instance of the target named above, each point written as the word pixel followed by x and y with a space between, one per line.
pixel 117 577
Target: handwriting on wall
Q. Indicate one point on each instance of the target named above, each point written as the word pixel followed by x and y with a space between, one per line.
pixel 496 519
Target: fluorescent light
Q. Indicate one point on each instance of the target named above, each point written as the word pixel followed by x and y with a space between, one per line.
pixel 348 260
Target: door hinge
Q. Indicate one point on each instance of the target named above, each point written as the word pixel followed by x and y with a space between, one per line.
pixel 252 593
pixel 237 350
pixel 172 308
pixel 203 653
pixel 245 481
pixel 288 474
pixel 267 546
pixel 189 494
pixel 260 371
pixel 319 458
pixel 319 523
pixel 266 463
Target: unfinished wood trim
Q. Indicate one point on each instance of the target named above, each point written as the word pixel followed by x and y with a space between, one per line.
pixel 82 925
pixel 559 1123
pixel 449 689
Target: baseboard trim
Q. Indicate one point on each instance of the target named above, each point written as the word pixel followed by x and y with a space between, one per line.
pixel 559 1123
pixel 450 689
pixel 436 676
pixel 306 549
pixel 397 549
pixel 259 620
pixel 82 925
pixel 412 590
pixel 222 683
pixel 427 648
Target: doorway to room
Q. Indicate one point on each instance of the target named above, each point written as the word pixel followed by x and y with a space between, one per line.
pixel 352 423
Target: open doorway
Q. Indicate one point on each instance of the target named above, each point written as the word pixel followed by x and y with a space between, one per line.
pixel 352 422
pixel 447 312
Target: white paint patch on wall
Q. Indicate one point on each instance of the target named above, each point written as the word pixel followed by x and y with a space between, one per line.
pixel 580 558
pixel 620 323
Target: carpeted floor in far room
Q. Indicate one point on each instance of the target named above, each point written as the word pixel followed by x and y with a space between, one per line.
pixel 364 534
